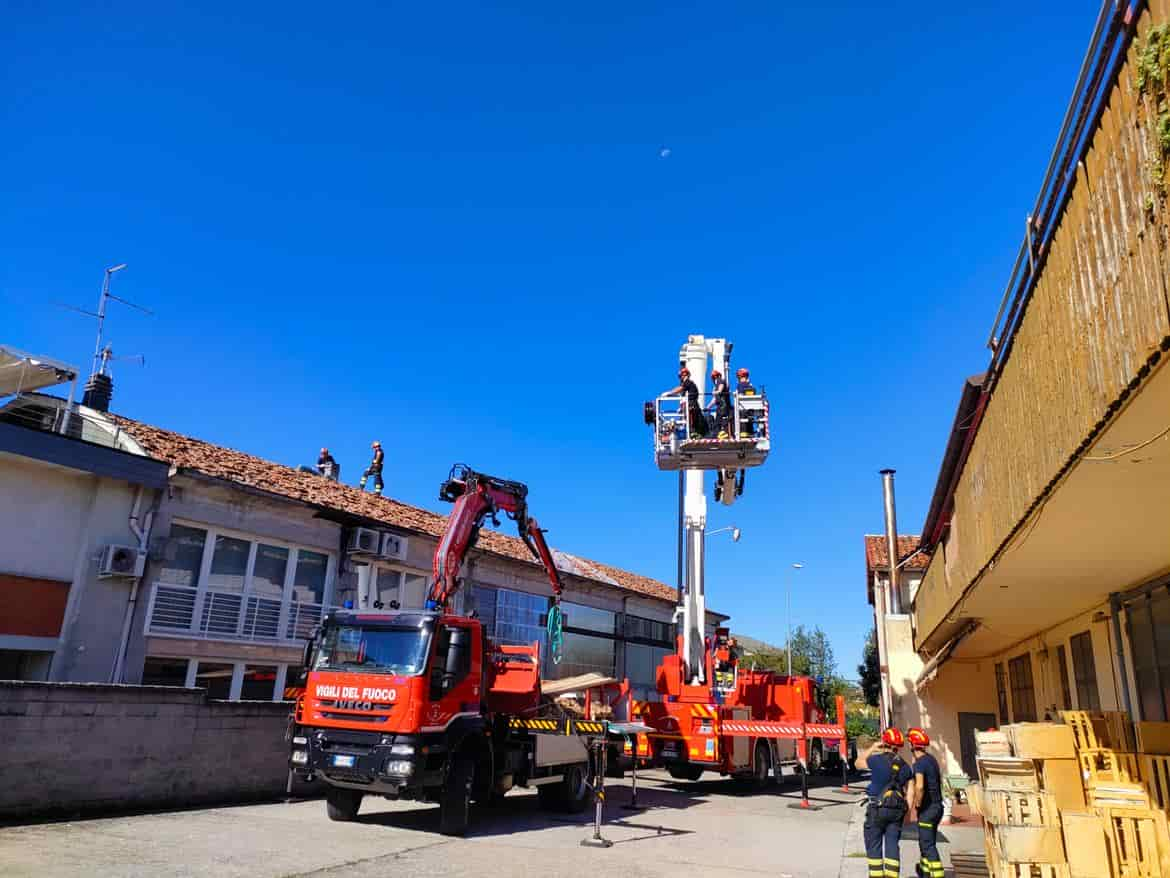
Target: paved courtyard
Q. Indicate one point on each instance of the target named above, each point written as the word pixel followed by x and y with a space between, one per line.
pixel 712 827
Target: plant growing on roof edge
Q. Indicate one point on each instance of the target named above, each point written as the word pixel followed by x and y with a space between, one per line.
pixel 1153 60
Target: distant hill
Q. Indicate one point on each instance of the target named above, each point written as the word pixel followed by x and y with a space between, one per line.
pixel 751 644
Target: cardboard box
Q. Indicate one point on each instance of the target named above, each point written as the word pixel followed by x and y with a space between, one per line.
pixel 1152 738
pixel 1006 773
pixel 1062 779
pixel 1084 844
pixel 992 743
pixel 1030 844
pixel 1041 741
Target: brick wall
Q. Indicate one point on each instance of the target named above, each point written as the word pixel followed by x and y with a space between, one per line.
pixel 73 748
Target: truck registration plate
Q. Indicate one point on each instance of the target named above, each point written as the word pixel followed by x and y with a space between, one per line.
pixel 670 750
pixel 343 761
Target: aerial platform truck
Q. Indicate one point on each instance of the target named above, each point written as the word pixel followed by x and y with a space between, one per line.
pixel 714 715
pixel 423 706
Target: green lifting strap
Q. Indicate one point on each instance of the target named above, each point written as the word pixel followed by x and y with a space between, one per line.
pixel 556 633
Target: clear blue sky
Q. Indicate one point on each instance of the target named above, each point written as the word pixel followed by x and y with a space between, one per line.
pixel 450 227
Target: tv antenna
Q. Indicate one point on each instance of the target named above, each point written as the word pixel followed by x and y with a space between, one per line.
pixel 102 355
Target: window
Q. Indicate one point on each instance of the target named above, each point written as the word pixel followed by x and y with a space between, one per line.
pixel 309 583
pixel 638 628
pixel 589 618
pixel 164 671
pixel 584 654
pixel 642 663
pixel 1001 694
pixel 1062 668
pixel 259 683
pixel 229 564
pixel 1148 621
pixel 1085 672
pixel 216 678
pixel 186 545
pixel 1023 692
pixel 519 618
pixel 226 586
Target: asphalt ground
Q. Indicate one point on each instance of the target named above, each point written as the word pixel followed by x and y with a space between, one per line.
pixel 710 827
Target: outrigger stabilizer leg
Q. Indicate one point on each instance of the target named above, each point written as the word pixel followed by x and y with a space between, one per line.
pixel 633 805
pixel 599 751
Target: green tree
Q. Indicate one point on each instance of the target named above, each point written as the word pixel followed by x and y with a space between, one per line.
pixel 870 670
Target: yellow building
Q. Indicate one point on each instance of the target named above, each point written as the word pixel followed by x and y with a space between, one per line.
pixel 1048 585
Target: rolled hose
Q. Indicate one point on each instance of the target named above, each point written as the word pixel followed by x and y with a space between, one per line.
pixel 556 632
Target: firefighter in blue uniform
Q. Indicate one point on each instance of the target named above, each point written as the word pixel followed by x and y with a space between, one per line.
pixel 928 801
pixel 887 805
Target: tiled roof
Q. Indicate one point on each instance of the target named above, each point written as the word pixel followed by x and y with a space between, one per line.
pixel 254 472
pixel 878 558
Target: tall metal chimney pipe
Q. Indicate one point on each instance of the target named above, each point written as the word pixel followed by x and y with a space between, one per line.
pixel 892 539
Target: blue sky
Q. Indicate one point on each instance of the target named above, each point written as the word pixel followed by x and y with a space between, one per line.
pixel 450 227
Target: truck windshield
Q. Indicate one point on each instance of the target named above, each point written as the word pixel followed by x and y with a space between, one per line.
pixel 373 650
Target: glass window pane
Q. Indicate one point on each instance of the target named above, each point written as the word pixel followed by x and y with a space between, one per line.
pixel 229 564
pixel 1062 669
pixel 386 588
pixel 649 629
pixel 1085 671
pixel 484 605
pixel 186 544
pixel 268 574
pixel 518 618
pixel 309 583
pixel 1001 694
pixel 164 672
pixel 1160 618
pixel 216 678
pixel 259 683
pixel 590 618
pixel 414 591
pixel 1023 695
pixel 583 654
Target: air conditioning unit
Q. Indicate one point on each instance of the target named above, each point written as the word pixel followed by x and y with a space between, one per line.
pixel 393 547
pixel 364 541
pixel 121 561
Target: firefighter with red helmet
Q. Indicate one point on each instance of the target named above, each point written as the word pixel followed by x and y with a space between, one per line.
pixel 721 402
pixel 887 805
pixel 690 392
pixel 927 800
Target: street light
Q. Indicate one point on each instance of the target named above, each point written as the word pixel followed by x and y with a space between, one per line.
pixel 735 533
pixel 795 566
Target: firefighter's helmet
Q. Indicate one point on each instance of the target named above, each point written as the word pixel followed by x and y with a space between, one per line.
pixel 918 738
pixel 741 372
pixel 893 737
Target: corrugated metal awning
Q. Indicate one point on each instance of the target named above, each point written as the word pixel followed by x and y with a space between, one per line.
pixel 22 373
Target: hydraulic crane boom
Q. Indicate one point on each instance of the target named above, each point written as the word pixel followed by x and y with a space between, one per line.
pixel 476 496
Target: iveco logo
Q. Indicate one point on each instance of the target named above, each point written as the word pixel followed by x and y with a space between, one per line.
pixel 355 705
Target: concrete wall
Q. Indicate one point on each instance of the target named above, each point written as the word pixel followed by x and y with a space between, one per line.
pixel 53 524
pixel 77 748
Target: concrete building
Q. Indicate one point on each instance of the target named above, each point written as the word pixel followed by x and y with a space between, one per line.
pixel 244 556
pixel 1049 532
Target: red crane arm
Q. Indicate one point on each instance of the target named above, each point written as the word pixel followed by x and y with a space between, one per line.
pixel 476 496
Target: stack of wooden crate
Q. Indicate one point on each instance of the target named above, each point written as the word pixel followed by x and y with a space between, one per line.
pixel 1085 798
pixel 1028 774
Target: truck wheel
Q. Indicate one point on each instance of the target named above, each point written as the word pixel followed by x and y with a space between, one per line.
pixel 455 800
pixel 575 789
pixel 816 758
pixel 342 805
pixel 685 772
pixel 762 766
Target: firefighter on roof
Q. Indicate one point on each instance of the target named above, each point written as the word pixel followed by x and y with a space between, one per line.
pixel 374 469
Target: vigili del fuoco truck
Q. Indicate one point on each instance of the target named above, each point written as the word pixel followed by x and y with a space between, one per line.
pixel 422 705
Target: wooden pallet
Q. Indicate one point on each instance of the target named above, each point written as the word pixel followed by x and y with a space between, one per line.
pixel 1020 809
pixel 1100 730
pixel 1118 795
pixel 1137 840
pixel 1156 775
pixel 1032 870
pixel 1105 766
pixel 1001 773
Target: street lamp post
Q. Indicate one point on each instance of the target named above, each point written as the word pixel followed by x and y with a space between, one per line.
pixel 735 533
pixel 796 566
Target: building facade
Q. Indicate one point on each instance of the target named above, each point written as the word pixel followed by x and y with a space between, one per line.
pixel 1048 585
pixel 245 556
